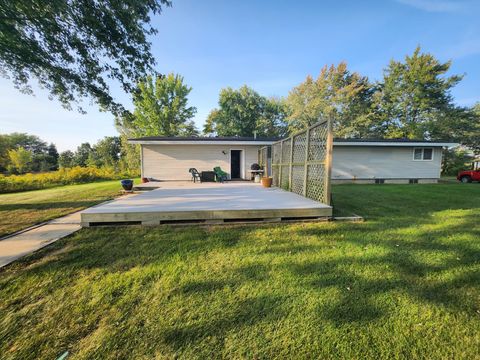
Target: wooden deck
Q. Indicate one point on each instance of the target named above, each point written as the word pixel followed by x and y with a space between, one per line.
pixel 206 203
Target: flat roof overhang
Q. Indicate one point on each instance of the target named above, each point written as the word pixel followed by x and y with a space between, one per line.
pixel 264 143
pixel 196 142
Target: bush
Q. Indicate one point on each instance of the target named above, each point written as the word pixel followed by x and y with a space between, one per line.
pixel 65 176
pixel 455 160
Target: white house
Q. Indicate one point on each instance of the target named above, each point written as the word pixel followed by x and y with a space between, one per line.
pixel 389 161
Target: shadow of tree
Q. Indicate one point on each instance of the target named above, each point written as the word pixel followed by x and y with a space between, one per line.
pixel 239 314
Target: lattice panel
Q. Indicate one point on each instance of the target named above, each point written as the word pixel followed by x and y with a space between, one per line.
pixel 309 161
pixel 276 153
pixel 318 143
pixel 299 147
pixel 298 172
pixel 285 177
pixel 275 174
pixel 286 152
pixel 316 182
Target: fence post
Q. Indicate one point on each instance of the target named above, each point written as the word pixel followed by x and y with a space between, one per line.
pixel 328 161
pixel 305 171
pixel 280 165
pixel 290 167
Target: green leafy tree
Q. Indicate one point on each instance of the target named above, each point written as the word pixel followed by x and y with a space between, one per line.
pixel 20 160
pixel 161 109
pixel 455 160
pixel 244 112
pixel 66 159
pixel 414 99
pixel 82 154
pixel 338 94
pixel 129 156
pixel 72 47
pixel 106 152
pixel 53 157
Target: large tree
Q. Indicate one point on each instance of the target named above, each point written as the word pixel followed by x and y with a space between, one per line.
pixel 336 93
pixel 161 109
pixel 106 152
pixel 414 99
pixel 71 47
pixel 20 160
pixel 44 157
pixel 244 112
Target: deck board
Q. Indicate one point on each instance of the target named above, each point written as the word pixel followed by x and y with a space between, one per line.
pixel 206 201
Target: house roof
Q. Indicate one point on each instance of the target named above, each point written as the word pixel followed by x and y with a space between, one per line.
pixel 239 140
pixel 206 140
pixel 392 142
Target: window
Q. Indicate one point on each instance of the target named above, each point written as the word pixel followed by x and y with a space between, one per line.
pixel 425 154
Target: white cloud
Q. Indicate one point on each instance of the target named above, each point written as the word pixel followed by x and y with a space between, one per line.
pixel 434 5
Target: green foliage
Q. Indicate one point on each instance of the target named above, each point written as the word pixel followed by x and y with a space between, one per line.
pixel 338 94
pixel 107 151
pixel 64 176
pixel 20 160
pixel 161 109
pixel 244 112
pixel 414 99
pixel 53 156
pixel 455 160
pixel 72 47
pixel 66 159
pixel 44 158
pixel 82 154
pixel 130 155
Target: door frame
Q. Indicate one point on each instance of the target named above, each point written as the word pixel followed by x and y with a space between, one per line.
pixel 242 162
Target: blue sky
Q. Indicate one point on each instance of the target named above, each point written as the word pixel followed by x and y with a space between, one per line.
pixel 271 46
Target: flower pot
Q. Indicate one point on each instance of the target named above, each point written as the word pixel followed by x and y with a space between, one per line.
pixel 267 182
pixel 127 184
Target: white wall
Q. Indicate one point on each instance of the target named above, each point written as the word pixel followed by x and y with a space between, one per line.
pixel 362 162
pixel 171 162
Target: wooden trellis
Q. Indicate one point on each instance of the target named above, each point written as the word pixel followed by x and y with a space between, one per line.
pixel 302 163
pixel 263 160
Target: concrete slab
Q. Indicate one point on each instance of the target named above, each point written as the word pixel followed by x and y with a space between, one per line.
pixel 205 201
pixel 24 243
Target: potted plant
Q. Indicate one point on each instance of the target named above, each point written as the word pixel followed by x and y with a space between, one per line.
pixel 266 181
pixel 127 184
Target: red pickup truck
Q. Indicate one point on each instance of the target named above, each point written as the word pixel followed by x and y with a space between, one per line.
pixel 467 176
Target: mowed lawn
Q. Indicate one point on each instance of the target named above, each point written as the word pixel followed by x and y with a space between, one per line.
pixel 405 284
pixel 21 210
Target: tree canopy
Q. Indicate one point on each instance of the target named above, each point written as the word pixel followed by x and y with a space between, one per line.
pixel 73 48
pixel 414 98
pixel 336 93
pixel 244 112
pixel 161 109
pixel 43 157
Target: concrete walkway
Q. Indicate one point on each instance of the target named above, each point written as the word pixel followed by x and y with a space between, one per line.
pixel 26 242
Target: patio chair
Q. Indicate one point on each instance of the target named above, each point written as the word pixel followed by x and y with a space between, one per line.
pixel 220 175
pixel 195 175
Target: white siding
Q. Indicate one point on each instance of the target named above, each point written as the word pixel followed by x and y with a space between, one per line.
pixel 171 162
pixel 363 162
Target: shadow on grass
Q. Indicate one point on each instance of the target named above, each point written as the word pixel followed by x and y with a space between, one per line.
pixel 358 265
pixel 243 313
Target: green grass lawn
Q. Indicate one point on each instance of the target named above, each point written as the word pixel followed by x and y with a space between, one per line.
pixel 21 210
pixel 405 284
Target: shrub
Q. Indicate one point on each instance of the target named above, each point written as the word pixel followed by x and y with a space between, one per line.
pixel 64 176
pixel 455 160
